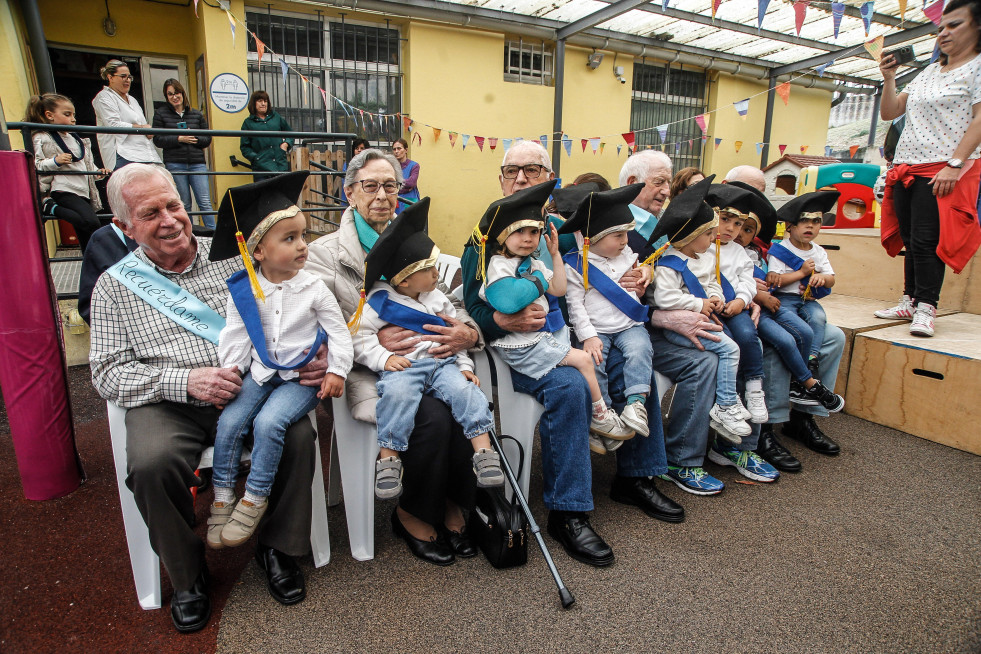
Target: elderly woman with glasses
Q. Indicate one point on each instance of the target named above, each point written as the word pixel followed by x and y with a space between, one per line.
pixel 438 482
pixel 115 107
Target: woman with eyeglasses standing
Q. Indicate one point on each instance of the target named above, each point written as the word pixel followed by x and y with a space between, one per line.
pixel 115 107
pixel 410 174
pixel 184 154
pixel 438 483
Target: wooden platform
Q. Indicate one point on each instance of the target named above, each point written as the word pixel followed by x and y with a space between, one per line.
pixel 928 387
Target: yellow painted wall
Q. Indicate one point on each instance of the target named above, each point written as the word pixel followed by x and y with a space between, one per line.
pixel 803 121
pixel 15 82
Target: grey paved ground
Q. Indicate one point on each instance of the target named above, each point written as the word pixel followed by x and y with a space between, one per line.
pixel 875 551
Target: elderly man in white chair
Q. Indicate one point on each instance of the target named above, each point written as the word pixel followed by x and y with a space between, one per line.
pixel 155 317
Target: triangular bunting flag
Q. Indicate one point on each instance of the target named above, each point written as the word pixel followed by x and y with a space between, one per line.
pixel 406 121
pixel 759 148
pixel 536 141
pixel 823 67
pixel 837 11
pixel 902 10
pixel 718 142
pixel 507 144
pixel 567 144
pixel 852 149
pixel 584 143
pixel 866 11
pixel 492 141
pixel 738 145
pixel 760 12
pixel 783 90
pixel 691 142
pixel 827 150
pixel 619 147
pixel 803 149
pixel 260 48
pixel 874 47
pixel 323 94
pixel 702 121
pixel 882 151
pixel 602 145
pixel 417 135
pixel 662 131
pixel 800 9
pixel 544 140
pixel 436 132
pixel 677 147
pixel 453 136
pixel 742 107
pixel 466 138
pixel 594 144
pixel 629 138
pixel 286 70
pixel 934 11
pixel 782 147
pixel 231 23
pixel 936 53
pixel 715 7
pixel 480 142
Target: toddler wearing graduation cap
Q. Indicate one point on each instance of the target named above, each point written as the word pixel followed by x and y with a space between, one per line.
pixel 800 271
pixel 603 314
pixel 686 277
pixel 405 257
pixel 508 235
pixel 273 315
pixel 779 326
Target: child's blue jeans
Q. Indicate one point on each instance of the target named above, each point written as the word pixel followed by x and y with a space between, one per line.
pixel 790 337
pixel 400 391
pixel 269 410
pixel 634 344
pixel 813 314
pixel 728 368
pixel 742 330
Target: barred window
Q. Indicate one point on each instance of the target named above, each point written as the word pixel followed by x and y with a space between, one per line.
pixel 528 62
pixel 665 95
pixel 363 43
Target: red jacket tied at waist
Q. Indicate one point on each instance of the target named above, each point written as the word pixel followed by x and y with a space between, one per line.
pixel 960 234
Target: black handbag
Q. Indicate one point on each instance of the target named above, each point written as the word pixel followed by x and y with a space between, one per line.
pixel 499 527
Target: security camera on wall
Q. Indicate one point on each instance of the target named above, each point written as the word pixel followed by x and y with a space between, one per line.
pixel 618 72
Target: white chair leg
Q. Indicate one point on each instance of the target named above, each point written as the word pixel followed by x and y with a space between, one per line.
pixel 333 475
pixel 319 534
pixel 357 449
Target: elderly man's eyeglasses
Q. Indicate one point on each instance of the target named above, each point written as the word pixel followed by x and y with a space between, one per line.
pixel 532 171
pixel 125 77
pixel 371 186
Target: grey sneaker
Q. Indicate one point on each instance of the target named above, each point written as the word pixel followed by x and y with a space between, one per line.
pixel 634 416
pixel 487 467
pixel 902 311
pixel 219 516
pixel 242 523
pixel 596 445
pixel 610 426
pixel 388 478
pixel 923 320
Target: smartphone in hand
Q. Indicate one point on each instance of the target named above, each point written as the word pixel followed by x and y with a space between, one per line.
pixel 182 125
pixel 903 55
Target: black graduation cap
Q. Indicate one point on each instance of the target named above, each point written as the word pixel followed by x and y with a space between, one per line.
pixel 257 207
pixel 687 216
pixel 815 202
pixel 403 248
pixel 765 212
pixel 600 213
pixel 520 209
pixel 567 198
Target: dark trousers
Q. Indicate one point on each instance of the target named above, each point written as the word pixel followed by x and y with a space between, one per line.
pixel 163 445
pixel 437 466
pixel 78 212
pixel 919 227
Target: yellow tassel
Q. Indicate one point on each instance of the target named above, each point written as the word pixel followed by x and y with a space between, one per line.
pixel 247 260
pixel 718 256
pixel 807 293
pixel 354 324
pixel 649 261
pixel 585 263
pixel 482 257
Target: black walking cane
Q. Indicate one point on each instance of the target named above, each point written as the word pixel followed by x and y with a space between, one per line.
pixel 565 596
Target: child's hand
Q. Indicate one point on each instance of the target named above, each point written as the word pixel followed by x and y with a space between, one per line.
pixel 552 240
pixel 471 377
pixel 396 363
pixel 817 280
pixel 808 267
pixel 63 158
pixel 716 303
pixel 706 308
pixel 103 173
pixel 770 302
pixel 774 280
pixel 594 347
pixel 733 308
pixel 332 386
pixel 646 274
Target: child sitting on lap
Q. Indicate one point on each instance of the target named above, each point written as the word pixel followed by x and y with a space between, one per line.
pixel 603 314
pixel 513 279
pixel 406 257
pixel 297 313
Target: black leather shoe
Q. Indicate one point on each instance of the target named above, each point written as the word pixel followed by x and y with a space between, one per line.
pixel 433 551
pixel 641 491
pixel 458 541
pixel 803 428
pixel 191 609
pixel 576 535
pixel 283 576
pixel 771 451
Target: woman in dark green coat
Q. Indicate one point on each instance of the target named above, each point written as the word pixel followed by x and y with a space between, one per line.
pixel 266 153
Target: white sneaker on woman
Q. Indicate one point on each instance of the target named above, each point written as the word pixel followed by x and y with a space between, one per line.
pixel 923 320
pixel 902 311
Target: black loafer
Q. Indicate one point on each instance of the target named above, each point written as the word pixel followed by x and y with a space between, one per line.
pixel 573 531
pixel 641 492
pixel 458 541
pixel 432 551
pixel 774 453
pixel 191 609
pixel 283 576
pixel 803 428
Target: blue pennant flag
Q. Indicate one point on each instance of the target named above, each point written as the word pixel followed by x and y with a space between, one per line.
pixel 866 11
pixel 760 12
pixel 286 70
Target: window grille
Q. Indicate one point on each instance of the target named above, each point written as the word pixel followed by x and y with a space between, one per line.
pixel 672 96
pixel 528 62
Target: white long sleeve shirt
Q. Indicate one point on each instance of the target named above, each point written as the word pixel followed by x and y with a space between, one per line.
pixel 670 291
pixel 822 265
pixel 45 151
pixel 499 267
pixel 368 351
pixel 290 315
pixel 736 266
pixel 111 110
pixel 589 311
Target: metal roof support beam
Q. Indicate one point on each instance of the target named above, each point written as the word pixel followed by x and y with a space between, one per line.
pixel 768 121
pixel 857 50
pixel 875 116
pixel 608 12
pixel 559 63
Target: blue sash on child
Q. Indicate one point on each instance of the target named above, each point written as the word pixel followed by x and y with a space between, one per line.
pixel 612 291
pixel 728 292
pixel 512 294
pixel 758 273
pixel 241 291
pixel 793 261
pixel 405 317
pixel 679 265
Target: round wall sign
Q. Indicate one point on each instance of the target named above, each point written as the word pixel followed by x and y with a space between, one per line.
pixel 229 92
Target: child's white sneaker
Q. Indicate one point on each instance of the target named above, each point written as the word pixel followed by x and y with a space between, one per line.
pixel 727 423
pixel 744 413
pixel 634 416
pixel 602 445
pixel 756 406
pixel 902 311
pixel 609 425
pixel 217 520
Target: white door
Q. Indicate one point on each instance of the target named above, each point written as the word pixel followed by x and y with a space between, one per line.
pixel 155 71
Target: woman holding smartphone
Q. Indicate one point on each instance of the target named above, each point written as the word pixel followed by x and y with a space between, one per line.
pixel 183 154
pixel 930 203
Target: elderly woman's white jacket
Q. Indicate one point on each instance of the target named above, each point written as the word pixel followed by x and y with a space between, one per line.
pixel 338 259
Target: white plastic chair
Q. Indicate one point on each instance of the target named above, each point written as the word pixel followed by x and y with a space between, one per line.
pixel 356 446
pixel 448 266
pixel 145 562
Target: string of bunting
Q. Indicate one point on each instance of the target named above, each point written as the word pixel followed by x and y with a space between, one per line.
pixel 383 121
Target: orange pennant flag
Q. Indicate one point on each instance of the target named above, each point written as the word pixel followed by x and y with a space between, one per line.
pixel 852 149
pixel 874 47
pixel 436 132
pixel 738 145
pixel 803 149
pixel 260 48
pixel 783 90
pixel 453 136
pixel 406 121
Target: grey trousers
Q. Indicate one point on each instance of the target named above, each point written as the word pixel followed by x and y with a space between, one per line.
pixel 163 445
